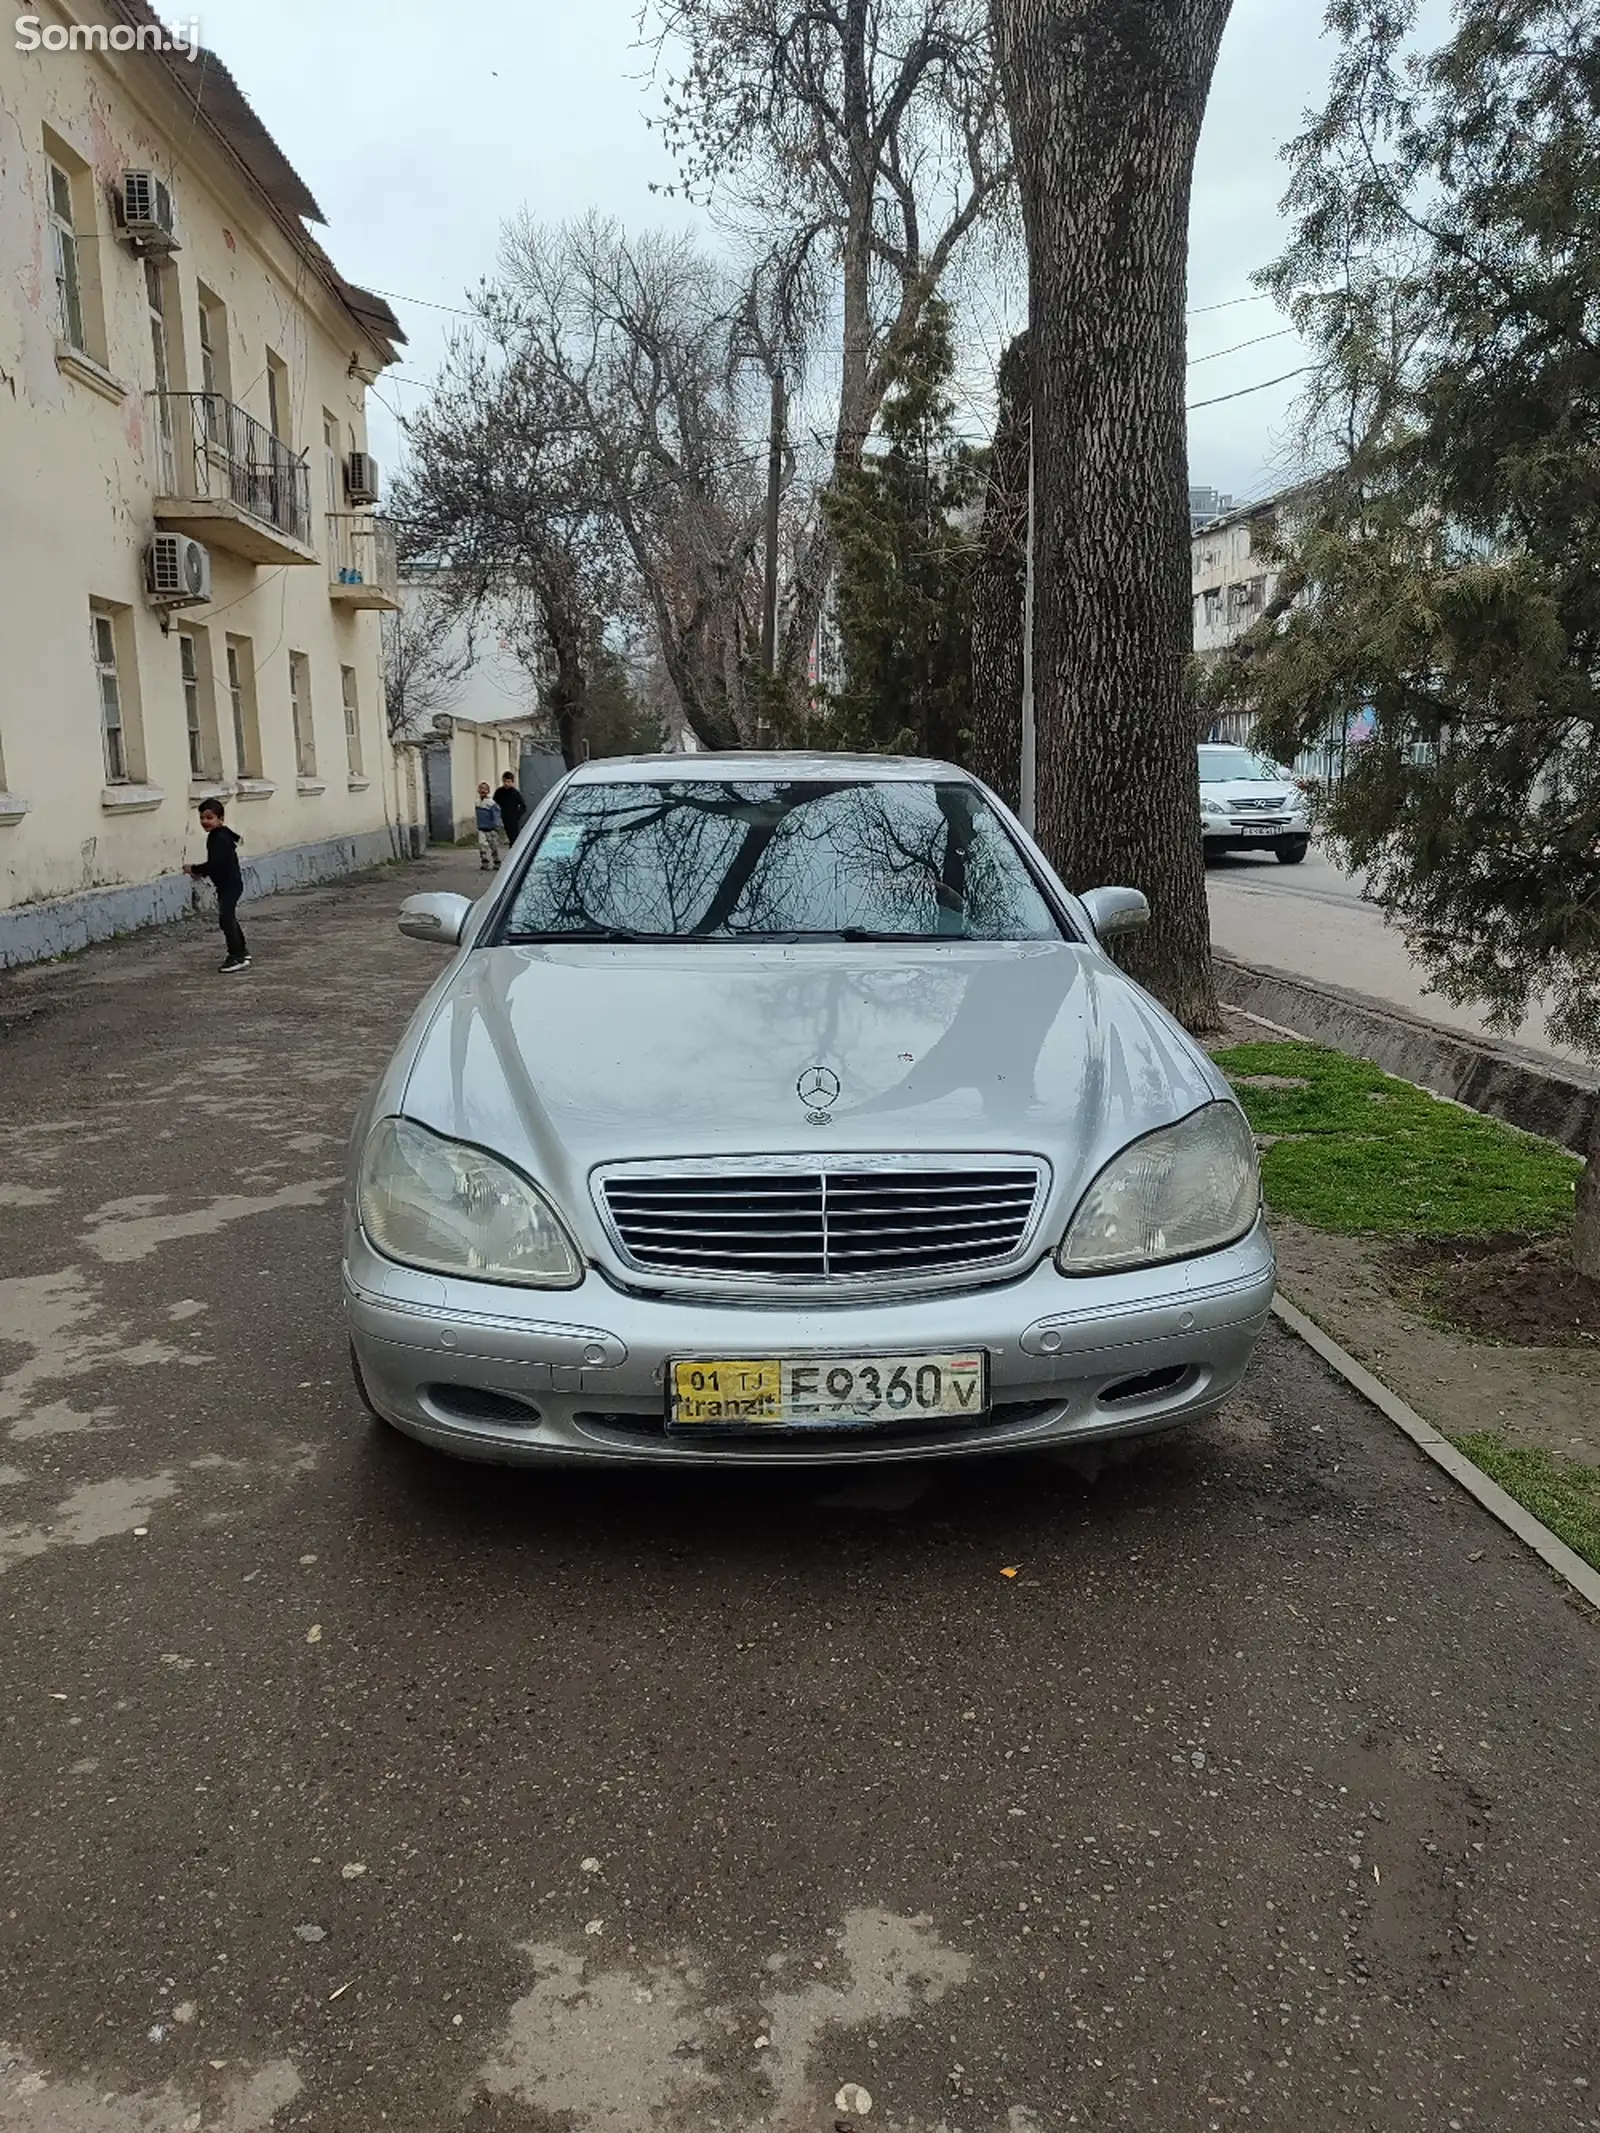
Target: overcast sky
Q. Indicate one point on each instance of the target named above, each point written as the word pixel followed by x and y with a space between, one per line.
pixel 420 127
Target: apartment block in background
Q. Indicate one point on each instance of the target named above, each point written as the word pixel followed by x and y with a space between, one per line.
pixel 192 571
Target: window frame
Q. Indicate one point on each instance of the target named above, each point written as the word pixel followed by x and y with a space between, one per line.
pixel 350 697
pixel 332 463
pixel 239 666
pixel 114 753
pixel 279 403
pixel 189 687
pixel 70 314
pixel 302 715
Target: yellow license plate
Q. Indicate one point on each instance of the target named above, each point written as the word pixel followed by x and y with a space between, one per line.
pixel 828 1391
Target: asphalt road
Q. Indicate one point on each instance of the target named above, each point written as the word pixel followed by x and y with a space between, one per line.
pixel 1312 921
pixel 345 1788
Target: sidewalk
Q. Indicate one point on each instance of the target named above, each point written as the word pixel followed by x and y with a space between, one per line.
pixel 1270 916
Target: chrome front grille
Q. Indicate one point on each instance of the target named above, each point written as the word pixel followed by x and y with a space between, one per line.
pixel 1264 807
pixel 841 1221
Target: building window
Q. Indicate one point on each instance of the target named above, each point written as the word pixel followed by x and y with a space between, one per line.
pixel 114 734
pixel 300 718
pixel 64 240
pixel 352 720
pixel 330 461
pixel 189 667
pixel 155 292
pixel 242 707
pixel 208 349
pixel 199 704
pixel 215 378
pixel 278 397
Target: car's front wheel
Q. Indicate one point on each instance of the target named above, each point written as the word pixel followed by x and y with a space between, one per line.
pixel 1292 850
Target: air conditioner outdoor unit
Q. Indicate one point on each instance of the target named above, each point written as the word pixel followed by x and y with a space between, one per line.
pixel 361 478
pixel 177 571
pixel 144 212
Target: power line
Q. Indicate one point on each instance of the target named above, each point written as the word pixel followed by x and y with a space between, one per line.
pixel 1199 310
pixel 393 296
pixel 1245 390
pixel 1216 354
pixel 430 303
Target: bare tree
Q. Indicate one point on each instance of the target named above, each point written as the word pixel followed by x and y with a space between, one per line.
pixel 1106 99
pixel 503 496
pixel 870 135
pixel 642 344
pixel 426 650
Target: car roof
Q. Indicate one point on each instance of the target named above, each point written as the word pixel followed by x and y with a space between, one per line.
pixel 760 765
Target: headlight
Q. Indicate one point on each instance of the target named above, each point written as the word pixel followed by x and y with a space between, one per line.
pixel 451 1209
pixel 1212 807
pixel 1187 1189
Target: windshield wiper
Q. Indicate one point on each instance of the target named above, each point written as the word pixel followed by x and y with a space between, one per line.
pixel 597 933
pixel 866 933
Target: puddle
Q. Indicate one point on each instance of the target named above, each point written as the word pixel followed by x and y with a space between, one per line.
pixel 124 1230
pixel 98 1511
pixel 35 2101
pixel 617 2049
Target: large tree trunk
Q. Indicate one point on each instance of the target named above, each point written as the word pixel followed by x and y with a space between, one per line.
pixel 998 587
pixel 1586 1225
pixel 1106 99
pixel 569 636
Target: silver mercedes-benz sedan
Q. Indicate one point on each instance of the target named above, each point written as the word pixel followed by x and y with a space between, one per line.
pixel 781 1109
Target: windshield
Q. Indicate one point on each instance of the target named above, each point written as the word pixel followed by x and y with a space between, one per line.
pixel 1237 766
pixel 709 860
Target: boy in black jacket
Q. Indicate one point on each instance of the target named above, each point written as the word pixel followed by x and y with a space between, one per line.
pixel 221 869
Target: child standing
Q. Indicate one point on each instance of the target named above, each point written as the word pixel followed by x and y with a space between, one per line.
pixel 221 868
pixel 491 830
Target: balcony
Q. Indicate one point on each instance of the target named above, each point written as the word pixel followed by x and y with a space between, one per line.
pixel 229 482
pixel 362 569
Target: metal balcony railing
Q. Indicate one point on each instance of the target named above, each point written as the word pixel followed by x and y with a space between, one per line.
pixel 218 453
pixel 363 568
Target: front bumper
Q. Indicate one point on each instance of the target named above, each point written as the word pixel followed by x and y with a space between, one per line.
pixel 1245 831
pixel 578 1376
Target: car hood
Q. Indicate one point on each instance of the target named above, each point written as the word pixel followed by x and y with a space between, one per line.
pixel 562 1058
pixel 1230 791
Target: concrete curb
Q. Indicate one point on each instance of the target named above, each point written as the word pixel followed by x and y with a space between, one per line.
pixel 1527 1529
pixel 1550 1097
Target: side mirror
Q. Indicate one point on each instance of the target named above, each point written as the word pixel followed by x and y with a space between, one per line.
pixel 1114 911
pixel 436 917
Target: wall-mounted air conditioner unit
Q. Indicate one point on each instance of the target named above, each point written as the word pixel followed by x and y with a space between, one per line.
pixel 361 478
pixel 144 212
pixel 177 571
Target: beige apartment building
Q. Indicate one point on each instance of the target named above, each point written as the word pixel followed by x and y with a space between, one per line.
pixel 192 575
pixel 1233 582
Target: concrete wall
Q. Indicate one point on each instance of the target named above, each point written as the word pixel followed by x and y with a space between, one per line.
pixel 81 462
pixel 481 754
pixel 32 932
pixel 1526 1089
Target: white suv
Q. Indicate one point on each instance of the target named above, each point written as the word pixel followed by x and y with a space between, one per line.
pixel 1247 803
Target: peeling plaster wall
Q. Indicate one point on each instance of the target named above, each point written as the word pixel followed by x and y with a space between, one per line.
pixel 61 925
pixel 78 476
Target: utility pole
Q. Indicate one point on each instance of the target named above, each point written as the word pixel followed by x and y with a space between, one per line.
pixel 769 603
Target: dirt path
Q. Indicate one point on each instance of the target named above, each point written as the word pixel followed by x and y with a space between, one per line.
pixel 348 1790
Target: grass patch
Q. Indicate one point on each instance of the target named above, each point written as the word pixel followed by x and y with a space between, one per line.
pixel 1366 1155
pixel 1561 1494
